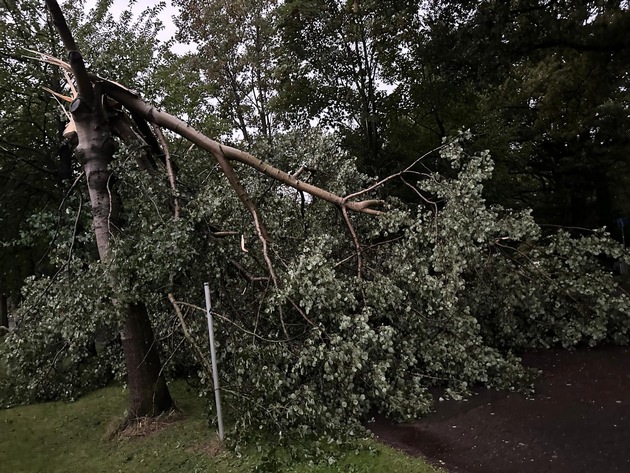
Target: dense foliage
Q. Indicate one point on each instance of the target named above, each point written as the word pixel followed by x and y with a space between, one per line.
pixel 449 293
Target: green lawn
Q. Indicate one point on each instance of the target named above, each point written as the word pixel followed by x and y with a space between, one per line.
pixel 72 437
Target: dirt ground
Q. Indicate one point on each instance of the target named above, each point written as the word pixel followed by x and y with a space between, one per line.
pixel 577 421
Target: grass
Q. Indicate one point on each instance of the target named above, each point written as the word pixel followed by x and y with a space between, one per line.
pixel 72 437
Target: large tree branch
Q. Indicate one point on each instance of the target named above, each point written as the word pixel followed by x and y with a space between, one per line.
pixel 121 126
pixel 136 105
pixel 143 110
pixel 60 24
pixel 74 56
pixel 241 192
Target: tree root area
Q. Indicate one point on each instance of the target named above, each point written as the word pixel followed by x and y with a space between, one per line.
pixel 578 420
pixel 144 426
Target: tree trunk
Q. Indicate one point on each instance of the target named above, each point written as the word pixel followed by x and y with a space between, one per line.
pixel 148 390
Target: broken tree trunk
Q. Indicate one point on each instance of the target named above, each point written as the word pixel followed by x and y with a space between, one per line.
pixel 95 149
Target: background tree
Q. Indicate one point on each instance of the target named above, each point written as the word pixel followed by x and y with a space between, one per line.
pixel 35 160
pixel 236 59
pixel 541 84
pixel 547 94
pixel 335 67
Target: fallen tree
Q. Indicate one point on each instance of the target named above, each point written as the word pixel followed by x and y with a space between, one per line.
pixel 321 322
pixel 103 109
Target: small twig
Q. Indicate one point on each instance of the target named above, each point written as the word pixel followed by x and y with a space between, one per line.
pixel 166 362
pixel 301 312
pixel 246 274
pixel 260 306
pixel 231 322
pixel 297 173
pixel 369 247
pixel 200 354
pixel 66 195
pixel 169 169
pixel 385 180
pixel 243 249
pixel 222 234
pixel 52 364
pixel 355 240
pixel 428 202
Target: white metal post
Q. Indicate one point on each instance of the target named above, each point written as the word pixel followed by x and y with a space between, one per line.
pixel 215 373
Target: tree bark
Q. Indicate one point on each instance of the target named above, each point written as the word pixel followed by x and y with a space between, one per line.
pixel 95 149
pixel 148 390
